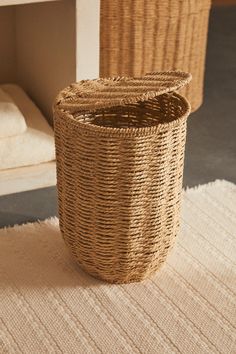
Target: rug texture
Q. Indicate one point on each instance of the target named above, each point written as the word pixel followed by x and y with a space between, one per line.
pixel 48 305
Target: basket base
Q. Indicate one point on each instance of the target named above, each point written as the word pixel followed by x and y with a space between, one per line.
pixel 135 278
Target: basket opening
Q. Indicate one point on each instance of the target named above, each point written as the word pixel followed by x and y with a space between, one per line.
pixel 162 109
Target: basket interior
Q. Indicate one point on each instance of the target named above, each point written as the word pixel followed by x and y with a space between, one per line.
pixel 159 110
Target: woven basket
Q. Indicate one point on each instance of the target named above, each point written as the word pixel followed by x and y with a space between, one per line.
pixel 138 36
pixel 119 150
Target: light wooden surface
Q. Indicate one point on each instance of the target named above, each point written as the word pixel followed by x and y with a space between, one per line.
pixel 22 179
pixel 87 39
pixel 18 2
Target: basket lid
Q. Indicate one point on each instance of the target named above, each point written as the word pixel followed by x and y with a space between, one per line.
pixel 90 95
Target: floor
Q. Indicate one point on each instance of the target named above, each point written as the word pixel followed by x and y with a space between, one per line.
pixel 211 138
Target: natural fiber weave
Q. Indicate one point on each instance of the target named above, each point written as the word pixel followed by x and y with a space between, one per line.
pixel 138 36
pixel 119 172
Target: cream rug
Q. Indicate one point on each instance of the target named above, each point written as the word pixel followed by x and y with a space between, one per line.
pixel 48 305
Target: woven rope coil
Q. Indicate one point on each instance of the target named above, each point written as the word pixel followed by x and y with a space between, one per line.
pixel 138 36
pixel 120 149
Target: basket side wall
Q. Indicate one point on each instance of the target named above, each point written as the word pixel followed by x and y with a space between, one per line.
pixel 119 198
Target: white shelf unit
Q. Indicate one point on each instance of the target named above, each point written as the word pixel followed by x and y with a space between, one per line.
pixel 20 2
pixel 44 46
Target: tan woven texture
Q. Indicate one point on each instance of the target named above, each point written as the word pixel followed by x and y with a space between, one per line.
pixel 138 36
pixel 49 305
pixel 119 172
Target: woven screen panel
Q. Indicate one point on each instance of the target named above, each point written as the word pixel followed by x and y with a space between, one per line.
pixel 139 36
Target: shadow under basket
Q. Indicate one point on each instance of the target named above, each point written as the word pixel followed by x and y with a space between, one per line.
pixel 120 150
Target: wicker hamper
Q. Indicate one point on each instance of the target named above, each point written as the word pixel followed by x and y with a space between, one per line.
pixel 119 150
pixel 138 36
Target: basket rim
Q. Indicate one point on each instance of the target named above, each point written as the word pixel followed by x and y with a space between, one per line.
pixel 131 131
pixel 87 96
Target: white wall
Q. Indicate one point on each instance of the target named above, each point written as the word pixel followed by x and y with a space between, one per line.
pixel 40 50
pixel 46 51
pixel 7 45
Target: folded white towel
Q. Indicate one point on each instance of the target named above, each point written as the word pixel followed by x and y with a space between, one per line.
pixel 36 144
pixel 12 121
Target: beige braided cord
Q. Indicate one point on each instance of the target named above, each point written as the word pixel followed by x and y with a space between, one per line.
pixel 120 150
pixel 138 36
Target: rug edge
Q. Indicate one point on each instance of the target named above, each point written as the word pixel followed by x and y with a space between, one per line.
pixel 54 221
